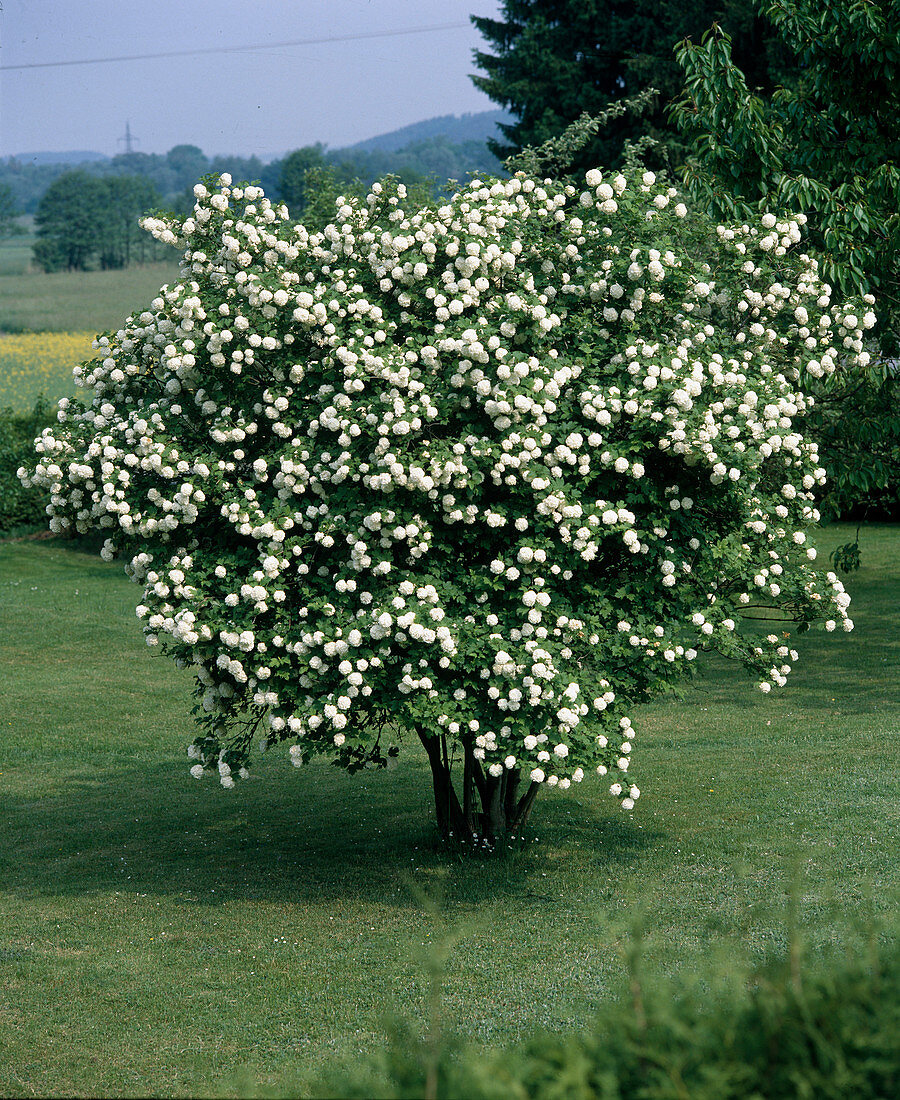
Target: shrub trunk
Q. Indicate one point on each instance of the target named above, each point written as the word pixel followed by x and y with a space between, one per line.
pixel 490 808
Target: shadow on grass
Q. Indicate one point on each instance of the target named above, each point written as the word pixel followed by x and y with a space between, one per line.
pixel 314 836
pixel 856 673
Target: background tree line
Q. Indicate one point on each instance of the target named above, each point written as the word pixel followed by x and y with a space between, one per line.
pixel 173 174
pixel 86 216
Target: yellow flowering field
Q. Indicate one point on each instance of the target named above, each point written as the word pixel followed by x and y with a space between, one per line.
pixel 32 363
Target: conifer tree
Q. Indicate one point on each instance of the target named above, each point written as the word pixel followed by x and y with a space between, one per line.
pixel 552 60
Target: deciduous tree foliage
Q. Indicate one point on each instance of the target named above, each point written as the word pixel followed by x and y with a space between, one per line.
pixel 84 221
pixel 68 221
pixel 827 145
pixel 552 60
pixel 292 183
pixel 488 474
pixel 8 212
pixel 120 239
pixel 188 163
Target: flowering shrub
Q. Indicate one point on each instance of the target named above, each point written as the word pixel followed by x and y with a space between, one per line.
pixel 492 473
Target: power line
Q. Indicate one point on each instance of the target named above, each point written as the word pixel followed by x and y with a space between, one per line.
pixel 237 49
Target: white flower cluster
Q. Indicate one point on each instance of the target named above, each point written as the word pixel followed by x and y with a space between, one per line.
pixel 500 468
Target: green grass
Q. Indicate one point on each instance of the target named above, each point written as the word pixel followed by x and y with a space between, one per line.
pixel 15 254
pixel 163 936
pixel 73 301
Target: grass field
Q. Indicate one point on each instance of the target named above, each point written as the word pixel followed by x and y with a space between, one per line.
pixel 32 301
pixel 162 936
pixel 15 255
pixel 73 301
pixel 47 322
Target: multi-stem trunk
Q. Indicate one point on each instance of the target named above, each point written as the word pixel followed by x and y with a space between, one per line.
pixel 490 809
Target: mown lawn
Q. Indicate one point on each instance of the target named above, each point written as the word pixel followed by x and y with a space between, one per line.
pixel 163 936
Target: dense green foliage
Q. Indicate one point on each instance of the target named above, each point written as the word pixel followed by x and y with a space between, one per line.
pixel 857 423
pixel 554 59
pixel 19 506
pixel 292 182
pixel 83 222
pixel 67 222
pixel 791 1031
pixel 827 145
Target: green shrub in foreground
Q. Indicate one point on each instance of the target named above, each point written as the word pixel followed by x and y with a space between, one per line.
pixel 21 506
pixel 786 1033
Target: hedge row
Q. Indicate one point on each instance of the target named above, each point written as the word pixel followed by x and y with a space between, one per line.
pixel 785 1033
pixel 21 508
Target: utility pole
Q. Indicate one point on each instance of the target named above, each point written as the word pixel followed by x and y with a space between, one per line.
pixel 129 138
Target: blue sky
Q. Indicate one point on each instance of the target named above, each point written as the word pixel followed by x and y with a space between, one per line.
pixel 263 101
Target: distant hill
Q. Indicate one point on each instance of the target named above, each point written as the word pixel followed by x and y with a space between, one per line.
pixel 449 147
pixel 457 129
pixel 72 156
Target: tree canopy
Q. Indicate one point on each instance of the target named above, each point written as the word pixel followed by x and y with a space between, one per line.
pixel 827 144
pixel 67 222
pixel 293 176
pixel 84 221
pixel 9 211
